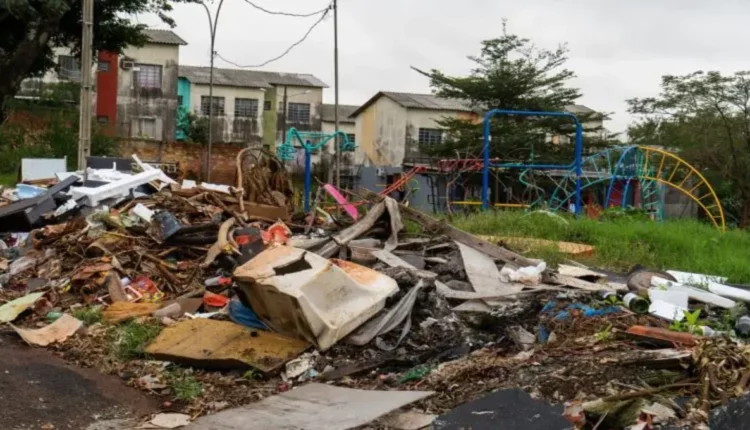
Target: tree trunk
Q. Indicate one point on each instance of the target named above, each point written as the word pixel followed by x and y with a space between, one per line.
pixel 745 212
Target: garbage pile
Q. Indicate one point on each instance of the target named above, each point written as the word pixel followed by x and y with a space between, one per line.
pixel 257 301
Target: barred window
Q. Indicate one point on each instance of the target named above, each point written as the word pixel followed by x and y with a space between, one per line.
pixel 430 136
pixel 299 113
pixel 149 76
pixel 69 69
pixel 267 105
pixel 218 106
pixel 245 108
pixel 350 137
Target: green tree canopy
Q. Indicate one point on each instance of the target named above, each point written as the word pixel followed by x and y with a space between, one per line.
pixel 31 29
pixel 705 118
pixel 512 73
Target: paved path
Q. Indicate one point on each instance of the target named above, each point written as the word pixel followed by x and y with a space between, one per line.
pixel 38 390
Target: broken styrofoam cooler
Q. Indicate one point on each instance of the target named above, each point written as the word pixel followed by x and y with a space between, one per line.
pixel 302 294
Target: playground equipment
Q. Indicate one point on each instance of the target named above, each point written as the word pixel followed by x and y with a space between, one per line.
pixel 488 164
pixel 287 151
pixel 650 170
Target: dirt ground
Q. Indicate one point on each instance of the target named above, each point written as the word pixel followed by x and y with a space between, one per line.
pixel 39 390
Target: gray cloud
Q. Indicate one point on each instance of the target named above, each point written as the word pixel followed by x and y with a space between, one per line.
pixel 619 50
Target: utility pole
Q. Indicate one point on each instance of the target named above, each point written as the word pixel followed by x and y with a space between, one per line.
pixel 212 24
pixel 283 122
pixel 336 89
pixel 84 125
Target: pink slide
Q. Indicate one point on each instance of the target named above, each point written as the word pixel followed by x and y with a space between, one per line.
pixel 340 199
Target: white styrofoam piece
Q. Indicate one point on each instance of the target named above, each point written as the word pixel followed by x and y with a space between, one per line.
pixel 216 187
pixel 142 212
pixel 699 279
pixel 674 297
pixel 41 168
pixel 666 310
pixel 106 175
pixel 188 184
pixel 727 291
pixel 113 189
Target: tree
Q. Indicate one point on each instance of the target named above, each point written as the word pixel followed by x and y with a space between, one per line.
pixel 706 118
pixel 31 29
pixel 511 73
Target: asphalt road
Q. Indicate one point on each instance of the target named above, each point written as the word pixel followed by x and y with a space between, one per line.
pixel 38 390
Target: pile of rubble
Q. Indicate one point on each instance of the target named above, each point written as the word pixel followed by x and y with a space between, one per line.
pixel 340 321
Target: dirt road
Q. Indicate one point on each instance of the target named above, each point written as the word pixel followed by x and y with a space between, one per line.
pixel 40 391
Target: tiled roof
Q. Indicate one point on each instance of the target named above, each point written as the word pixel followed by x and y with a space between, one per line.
pixel 163 37
pixel 327 113
pixel 418 101
pixel 248 78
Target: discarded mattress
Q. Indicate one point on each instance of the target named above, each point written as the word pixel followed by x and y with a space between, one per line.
pixel 302 294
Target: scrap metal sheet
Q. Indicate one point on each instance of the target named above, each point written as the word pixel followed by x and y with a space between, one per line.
pixel 483 274
pixel 222 344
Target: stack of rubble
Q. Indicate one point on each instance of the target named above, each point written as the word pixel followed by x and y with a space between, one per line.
pixel 238 283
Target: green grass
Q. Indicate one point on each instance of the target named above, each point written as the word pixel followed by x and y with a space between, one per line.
pixel 621 242
pixel 89 315
pixel 9 179
pixel 184 385
pixel 128 340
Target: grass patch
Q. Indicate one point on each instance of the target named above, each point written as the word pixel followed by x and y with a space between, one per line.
pixel 184 385
pixel 622 242
pixel 9 179
pixel 89 315
pixel 128 340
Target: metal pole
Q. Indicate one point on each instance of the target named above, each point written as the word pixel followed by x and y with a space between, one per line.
pixel 336 89
pixel 212 28
pixel 84 126
pixel 308 177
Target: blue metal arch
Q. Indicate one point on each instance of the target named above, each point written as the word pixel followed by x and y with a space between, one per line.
pixel 486 151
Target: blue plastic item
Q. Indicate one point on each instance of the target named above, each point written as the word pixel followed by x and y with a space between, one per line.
pixel 243 315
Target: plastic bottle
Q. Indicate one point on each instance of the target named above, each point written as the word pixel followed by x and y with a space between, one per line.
pixel 636 303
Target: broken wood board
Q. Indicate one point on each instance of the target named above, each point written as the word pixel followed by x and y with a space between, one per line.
pixel 223 344
pixel 483 274
pixel 440 227
pixel 311 407
pixel 569 281
pixel 524 244
pixel 121 311
pixel 58 331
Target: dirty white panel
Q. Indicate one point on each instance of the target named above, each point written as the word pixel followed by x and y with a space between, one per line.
pixel 41 168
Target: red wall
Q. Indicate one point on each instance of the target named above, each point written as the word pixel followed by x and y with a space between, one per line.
pixel 106 90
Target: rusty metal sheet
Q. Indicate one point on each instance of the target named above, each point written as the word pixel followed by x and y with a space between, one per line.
pixel 223 344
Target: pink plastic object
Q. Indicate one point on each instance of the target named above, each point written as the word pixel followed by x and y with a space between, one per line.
pixel 340 199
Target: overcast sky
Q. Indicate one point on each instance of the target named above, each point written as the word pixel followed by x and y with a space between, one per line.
pixel 618 49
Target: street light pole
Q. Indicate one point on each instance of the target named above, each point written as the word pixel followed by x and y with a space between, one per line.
pixel 212 28
pixel 283 124
pixel 336 89
pixel 84 126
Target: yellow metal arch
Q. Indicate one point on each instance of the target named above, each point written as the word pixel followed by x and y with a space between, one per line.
pixel 677 173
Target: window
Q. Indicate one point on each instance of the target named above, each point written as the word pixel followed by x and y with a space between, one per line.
pixel 102 119
pixel 103 66
pixel 179 99
pixel 145 127
pixel 350 136
pixel 149 76
pixel 69 70
pixel 299 113
pixel 267 105
pixel 245 108
pixel 430 136
pixel 218 106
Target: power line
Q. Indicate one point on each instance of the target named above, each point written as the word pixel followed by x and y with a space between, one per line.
pixel 325 13
pixel 297 15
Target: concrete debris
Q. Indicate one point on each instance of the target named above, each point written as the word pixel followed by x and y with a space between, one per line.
pixel 170 421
